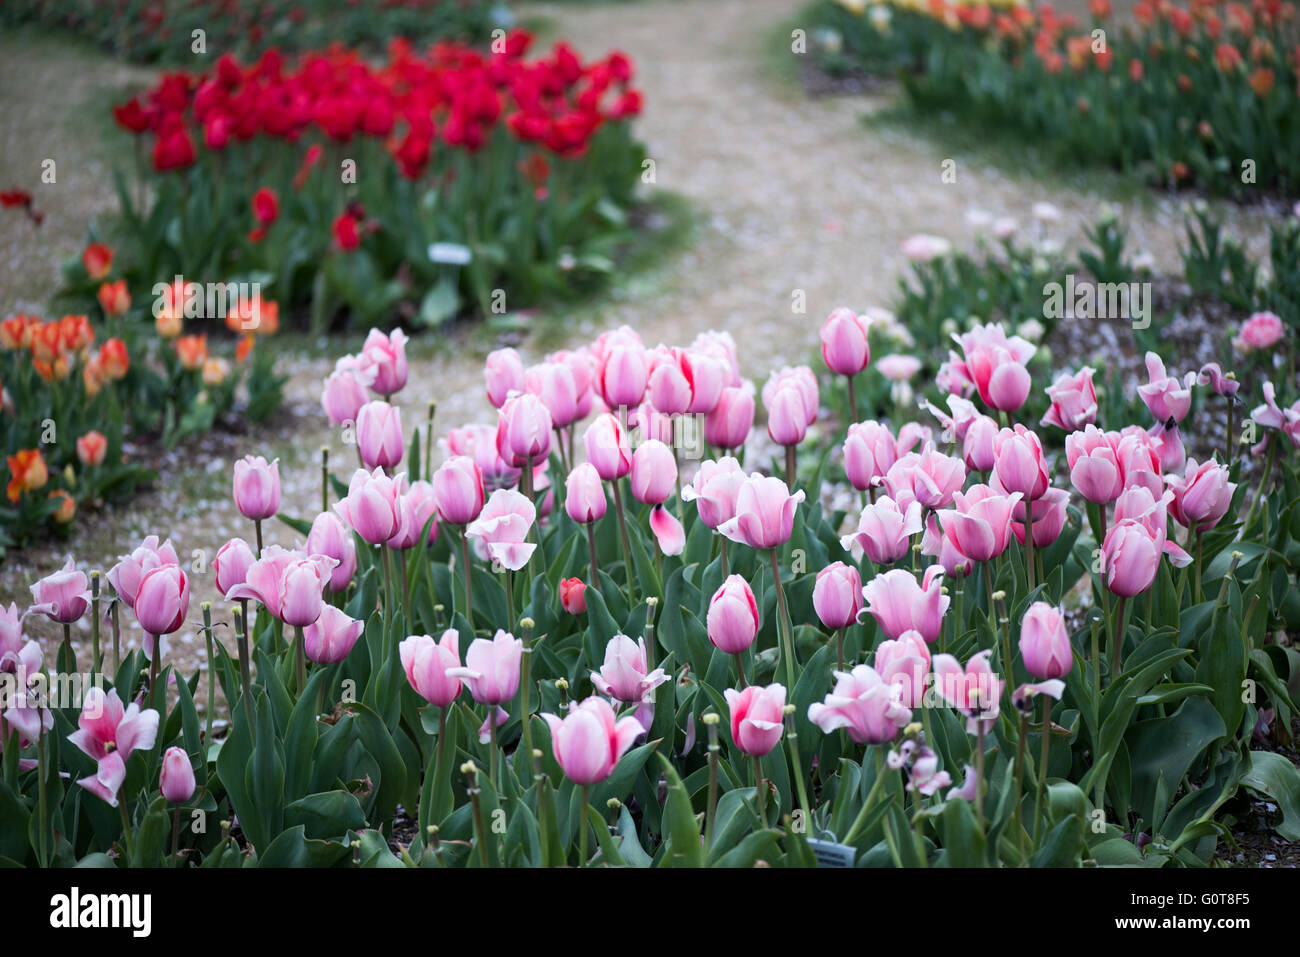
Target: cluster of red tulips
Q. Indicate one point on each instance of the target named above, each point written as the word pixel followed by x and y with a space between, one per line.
pixel 452 96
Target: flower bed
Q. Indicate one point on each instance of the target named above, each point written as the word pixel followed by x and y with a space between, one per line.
pixel 420 187
pixel 1199 95
pixel 73 392
pixel 165 30
pixel 1023 639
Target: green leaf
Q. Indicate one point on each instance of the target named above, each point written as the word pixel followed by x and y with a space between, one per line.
pixel 1274 777
pixel 681 831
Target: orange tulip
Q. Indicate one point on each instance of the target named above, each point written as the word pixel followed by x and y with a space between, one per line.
pixel 113 357
pixel 192 351
pixel 27 470
pixel 244 348
pixel 76 332
pixel 98 260
pixel 67 506
pixel 114 298
pixel 1261 81
pixel 91 448
pixel 16 331
pixel 46 342
pixel 215 371
pixel 93 375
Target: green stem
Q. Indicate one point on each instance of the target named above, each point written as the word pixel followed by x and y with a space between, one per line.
pixel 299 657
pixel 1042 765
pixel 126 827
pixel 622 533
pixel 786 638
pixel 860 821
pixel 469 590
pixel 42 801
pixel 979 772
pixel 582 829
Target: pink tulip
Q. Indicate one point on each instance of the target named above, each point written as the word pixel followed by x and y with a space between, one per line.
pixel 757 717
pixel 837 596
pixel 995 365
pixel 898 368
pixel 583 368
pixel 732 619
pixel 504 374
pixel 624 376
pixel 126 574
pixel 668 532
pixel 588 742
pixel 870 451
pixel 1166 397
pixel 722 347
pixel 1130 557
pixel 331 538
pixel 1019 464
pixel 1271 416
pixel 257 487
pixel 941 547
pixel 864 704
pixel 500 533
pixel 958 424
pixel 977 449
pixel 923 247
pixel 801 378
pixel 687 381
pixel 787 416
pixel 1049 517
pixel 1260 331
pixel 1044 642
pixel 1094 464
pixel 884 531
pixel 289 584
pixel 427 664
pixel 584 497
pixel 654 472
pixel 163 600
pixel 554 384
pixel 669 389
pixel 1212 374
pixel 1074 401
pixel 331 637
pixel 626 676
pixel 904 663
pixel 899 604
pixel 1202 495
pixel 21 706
pixel 975 690
pixel 492 668
pixel 415 507
pixel 929 477
pixel 386 355
pixel 371 508
pixel 714 490
pixel 62 596
pixel 1138 455
pixel 109 734
pixel 729 424
pixel 764 513
pixel 458 490
pixel 979 523
pixel 344 395
pixel 524 431
pixel 607 448
pixel 379 435
pixel 844 342
pixel 233 561
pixel 176 782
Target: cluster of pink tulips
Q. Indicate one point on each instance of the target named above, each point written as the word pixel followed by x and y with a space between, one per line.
pixel 939 608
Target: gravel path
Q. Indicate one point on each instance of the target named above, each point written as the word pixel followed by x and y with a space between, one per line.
pixel 792 194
